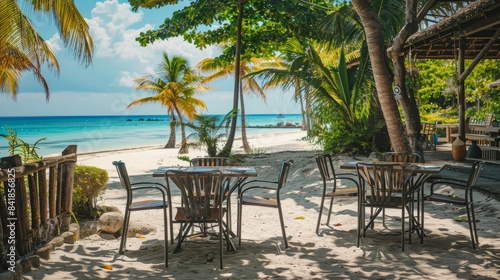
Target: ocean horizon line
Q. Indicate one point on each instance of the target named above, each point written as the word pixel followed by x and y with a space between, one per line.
pixel 141 115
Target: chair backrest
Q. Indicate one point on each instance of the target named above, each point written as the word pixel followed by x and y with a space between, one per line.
pixel 487 119
pixel 193 187
pixel 429 128
pixel 474 173
pixel 121 169
pixel 325 166
pixel 285 168
pixel 123 175
pixel 384 180
pixel 210 161
pixel 402 157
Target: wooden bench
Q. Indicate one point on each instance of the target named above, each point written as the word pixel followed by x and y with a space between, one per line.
pixel 482 139
pixel 490 153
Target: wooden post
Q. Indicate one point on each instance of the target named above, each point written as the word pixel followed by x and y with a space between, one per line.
pixel 52 192
pixel 3 214
pixel 68 172
pixel 22 222
pixel 35 206
pixel 42 183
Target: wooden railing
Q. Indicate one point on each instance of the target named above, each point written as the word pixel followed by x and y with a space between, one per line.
pixel 33 215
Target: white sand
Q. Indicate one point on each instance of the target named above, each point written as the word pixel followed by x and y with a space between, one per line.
pixel 446 253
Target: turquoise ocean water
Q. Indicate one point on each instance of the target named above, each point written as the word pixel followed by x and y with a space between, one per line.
pixel 101 133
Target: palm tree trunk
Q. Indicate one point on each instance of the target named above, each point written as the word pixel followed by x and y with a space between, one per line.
pixel 184 149
pixel 407 100
pixel 382 75
pixel 246 146
pixel 171 140
pixel 298 96
pixel 226 150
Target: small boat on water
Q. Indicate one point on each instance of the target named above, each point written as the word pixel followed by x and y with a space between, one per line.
pixel 280 116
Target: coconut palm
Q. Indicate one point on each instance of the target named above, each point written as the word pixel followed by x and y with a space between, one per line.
pixel 220 69
pixel 174 85
pixel 208 131
pixel 23 49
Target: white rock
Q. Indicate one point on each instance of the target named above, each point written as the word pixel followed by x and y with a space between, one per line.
pixel 111 222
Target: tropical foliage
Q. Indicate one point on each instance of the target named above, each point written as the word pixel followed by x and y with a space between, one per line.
pixel 18 146
pixel 207 132
pixel 174 86
pixel 23 49
pixel 90 183
pixel 437 91
pixel 220 68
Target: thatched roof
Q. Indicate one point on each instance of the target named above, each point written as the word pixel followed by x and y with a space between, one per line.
pixel 476 24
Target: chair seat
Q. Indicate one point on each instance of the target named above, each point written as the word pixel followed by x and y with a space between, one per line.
pixel 147 204
pixel 259 201
pixel 181 216
pixel 343 192
pixel 394 201
pixel 444 198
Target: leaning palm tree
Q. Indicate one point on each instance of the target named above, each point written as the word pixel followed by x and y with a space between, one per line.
pixel 220 69
pixel 174 85
pixel 23 49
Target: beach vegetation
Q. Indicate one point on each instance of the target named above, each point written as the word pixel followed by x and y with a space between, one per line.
pixel 23 49
pixel 208 131
pixel 436 90
pixel 220 68
pixel 90 182
pixel 18 146
pixel 184 158
pixel 265 25
pixel 174 86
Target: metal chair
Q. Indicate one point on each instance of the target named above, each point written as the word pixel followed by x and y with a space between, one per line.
pixel 210 161
pixel 466 201
pixel 216 161
pixel 330 180
pixel 428 141
pixel 382 180
pixel 402 157
pixel 273 202
pixel 198 208
pixel 133 205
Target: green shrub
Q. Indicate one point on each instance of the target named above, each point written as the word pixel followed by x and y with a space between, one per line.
pixel 90 183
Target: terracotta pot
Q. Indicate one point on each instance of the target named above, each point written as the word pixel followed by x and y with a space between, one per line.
pixel 458 150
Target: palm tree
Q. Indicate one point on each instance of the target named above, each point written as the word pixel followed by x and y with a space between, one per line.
pixel 174 85
pixel 220 68
pixel 23 49
pixel 207 132
pixel 276 73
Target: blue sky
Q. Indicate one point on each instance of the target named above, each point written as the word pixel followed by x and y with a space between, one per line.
pixel 106 87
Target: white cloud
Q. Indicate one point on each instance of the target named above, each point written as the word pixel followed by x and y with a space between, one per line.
pixel 114 28
pixel 55 43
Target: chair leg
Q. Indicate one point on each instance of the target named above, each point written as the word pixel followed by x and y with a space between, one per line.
pixel 171 224
pixel 282 225
pixel 165 228
pixel 123 242
pixel 403 209
pixel 238 224
pixel 320 213
pixel 329 212
pixel 472 224
pixel 361 209
pixel 221 233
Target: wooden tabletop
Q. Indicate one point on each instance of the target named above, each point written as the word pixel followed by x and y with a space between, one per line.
pixel 424 168
pixel 227 171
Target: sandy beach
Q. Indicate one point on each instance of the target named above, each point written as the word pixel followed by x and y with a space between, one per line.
pixel 446 253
